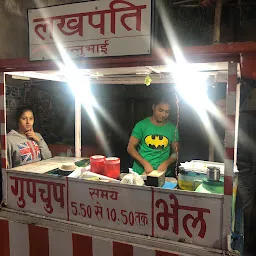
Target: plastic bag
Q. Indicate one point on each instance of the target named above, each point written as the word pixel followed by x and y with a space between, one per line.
pixel 133 178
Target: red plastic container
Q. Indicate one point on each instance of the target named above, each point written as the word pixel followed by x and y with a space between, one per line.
pixel 112 167
pixel 97 164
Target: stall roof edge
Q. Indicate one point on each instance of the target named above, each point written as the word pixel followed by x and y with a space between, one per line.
pixel 197 54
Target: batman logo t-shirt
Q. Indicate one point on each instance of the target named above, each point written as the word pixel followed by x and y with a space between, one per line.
pixel 155 142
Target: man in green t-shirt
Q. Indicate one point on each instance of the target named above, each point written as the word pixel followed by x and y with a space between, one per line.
pixel 154 141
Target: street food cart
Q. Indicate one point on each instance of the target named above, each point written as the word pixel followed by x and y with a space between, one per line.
pixel 44 214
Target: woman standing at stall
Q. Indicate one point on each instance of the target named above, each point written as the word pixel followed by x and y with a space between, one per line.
pixel 25 146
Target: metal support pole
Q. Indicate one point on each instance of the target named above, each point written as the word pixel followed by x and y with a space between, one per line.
pixel 3 137
pixel 211 151
pixel 231 135
pixel 216 39
pixel 78 132
pixel 238 89
pixel 217 22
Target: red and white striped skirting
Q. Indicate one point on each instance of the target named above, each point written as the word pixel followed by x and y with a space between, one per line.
pixel 17 239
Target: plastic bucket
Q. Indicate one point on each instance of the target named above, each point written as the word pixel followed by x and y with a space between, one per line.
pixel 112 167
pixel 97 164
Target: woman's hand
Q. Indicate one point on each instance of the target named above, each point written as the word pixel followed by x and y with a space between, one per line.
pixel 31 135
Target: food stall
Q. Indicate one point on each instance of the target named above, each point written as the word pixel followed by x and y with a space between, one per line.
pixel 46 214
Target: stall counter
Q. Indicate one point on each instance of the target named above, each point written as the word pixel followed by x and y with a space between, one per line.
pixel 44 166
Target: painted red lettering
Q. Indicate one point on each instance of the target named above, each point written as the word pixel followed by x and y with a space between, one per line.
pixel 125 218
pixel 131 218
pixel 89 211
pixel 111 214
pixel 163 218
pixel 83 210
pixel 74 208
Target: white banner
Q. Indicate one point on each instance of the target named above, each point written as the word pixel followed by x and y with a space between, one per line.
pixel 90 29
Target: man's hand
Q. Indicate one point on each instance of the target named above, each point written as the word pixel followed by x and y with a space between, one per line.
pixel 133 142
pixel 148 167
pixel 162 167
pixel 31 135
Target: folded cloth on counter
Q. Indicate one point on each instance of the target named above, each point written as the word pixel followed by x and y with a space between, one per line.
pixel 133 178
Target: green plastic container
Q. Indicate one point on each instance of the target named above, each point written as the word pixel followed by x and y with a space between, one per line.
pixel 211 187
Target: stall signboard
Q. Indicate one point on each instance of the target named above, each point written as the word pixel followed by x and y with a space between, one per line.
pixel 110 206
pixel 45 196
pixel 90 29
pixel 170 214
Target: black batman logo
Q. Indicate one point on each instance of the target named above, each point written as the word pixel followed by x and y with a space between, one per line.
pixel 156 141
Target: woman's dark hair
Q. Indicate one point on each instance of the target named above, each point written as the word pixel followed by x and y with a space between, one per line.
pixel 20 111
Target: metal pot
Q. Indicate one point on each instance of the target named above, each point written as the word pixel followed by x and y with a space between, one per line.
pixel 213 173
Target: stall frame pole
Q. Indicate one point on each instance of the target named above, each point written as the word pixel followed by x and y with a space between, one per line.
pixel 3 137
pixel 231 135
pixel 78 131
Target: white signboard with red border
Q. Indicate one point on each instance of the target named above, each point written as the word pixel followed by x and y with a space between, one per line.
pixel 90 29
pixel 170 214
